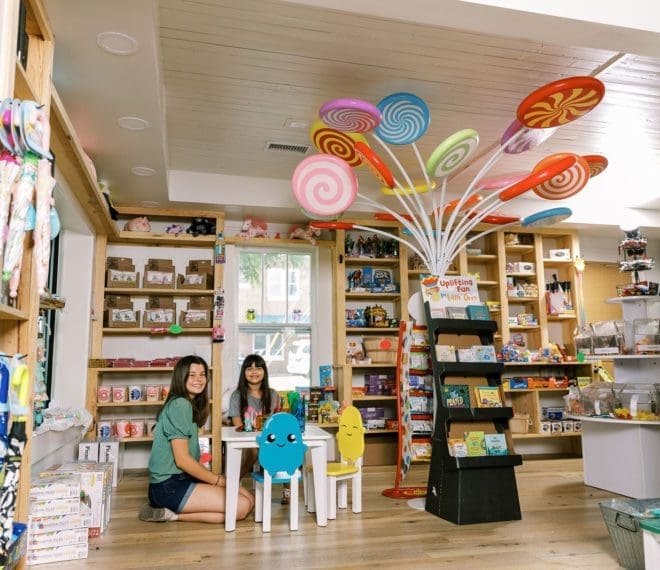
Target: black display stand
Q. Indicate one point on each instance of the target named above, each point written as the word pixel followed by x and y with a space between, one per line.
pixel 467 490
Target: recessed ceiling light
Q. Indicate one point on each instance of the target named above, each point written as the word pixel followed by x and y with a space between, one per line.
pixel 117 43
pixel 132 123
pixel 149 204
pixel 143 171
pixel 296 123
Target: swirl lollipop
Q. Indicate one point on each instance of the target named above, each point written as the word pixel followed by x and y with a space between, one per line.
pixel 560 102
pixel 500 181
pixel 324 185
pixel 319 218
pixel 566 183
pixel 452 153
pixel 350 115
pixel 336 143
pixel 546 217
pixel 597 163
pixel 530 138
pixel 405 118
pixel 375 164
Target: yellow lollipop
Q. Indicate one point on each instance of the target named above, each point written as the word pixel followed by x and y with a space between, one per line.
pixel 416 189
pixel 338 143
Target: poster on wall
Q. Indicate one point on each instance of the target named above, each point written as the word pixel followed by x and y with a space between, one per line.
pixel 444 293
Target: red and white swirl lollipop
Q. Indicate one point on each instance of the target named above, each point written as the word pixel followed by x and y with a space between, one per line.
pixel 352 115
pixel 597 163
pixel 565 184
pixel 528 139
pixel 560 102
pixel 324 185
pixel 337 143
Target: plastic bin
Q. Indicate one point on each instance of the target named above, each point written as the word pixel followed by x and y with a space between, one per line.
pixel 622 519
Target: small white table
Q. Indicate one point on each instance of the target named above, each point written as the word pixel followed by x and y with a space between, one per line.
pixel 621 456
pixel 236 441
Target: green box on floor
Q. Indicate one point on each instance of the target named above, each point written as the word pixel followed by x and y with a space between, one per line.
pixel 622 517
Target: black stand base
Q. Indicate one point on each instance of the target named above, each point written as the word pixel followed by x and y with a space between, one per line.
pixel 469 496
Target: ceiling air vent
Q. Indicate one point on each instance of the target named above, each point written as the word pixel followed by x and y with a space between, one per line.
pixel 284 147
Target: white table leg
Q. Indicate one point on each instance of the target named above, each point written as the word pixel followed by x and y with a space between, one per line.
pixel 319 463
pixel 233 475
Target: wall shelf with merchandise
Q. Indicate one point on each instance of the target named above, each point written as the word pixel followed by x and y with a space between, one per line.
pixel 132 360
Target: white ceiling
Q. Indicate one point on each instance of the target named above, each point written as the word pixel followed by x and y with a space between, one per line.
pixel 218 79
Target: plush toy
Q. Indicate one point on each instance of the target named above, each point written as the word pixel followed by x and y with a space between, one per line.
pixel 175 229
pixel 139 224
pixel 309 233
pixel 201 227
pixel 251 229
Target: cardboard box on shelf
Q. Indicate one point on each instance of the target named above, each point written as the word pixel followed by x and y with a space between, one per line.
pixel 120 279
pixel 195 318
pixel 194 281
pixel 120 263
pixel 121 318
pixel 158 317
pixel 199 266
pixel 154 264
pixel 158 279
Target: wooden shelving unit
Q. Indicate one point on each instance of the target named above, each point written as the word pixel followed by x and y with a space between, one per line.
pixel 143 245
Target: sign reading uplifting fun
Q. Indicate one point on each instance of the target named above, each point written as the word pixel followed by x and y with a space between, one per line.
pixel 443 292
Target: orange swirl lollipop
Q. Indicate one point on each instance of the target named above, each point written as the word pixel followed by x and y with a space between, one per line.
pixel 375 164
pixel 597 163
pixel 337 143
pixel 566 183
pixel 560 102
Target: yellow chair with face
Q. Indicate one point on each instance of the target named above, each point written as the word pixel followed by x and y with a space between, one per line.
pixel 350 441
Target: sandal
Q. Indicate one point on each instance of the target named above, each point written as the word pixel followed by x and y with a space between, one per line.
pixel 286 496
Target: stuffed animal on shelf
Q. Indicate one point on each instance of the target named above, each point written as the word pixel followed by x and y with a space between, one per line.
pixel 139 224
pixel 175 229
pixel 252 228
pixel 201 227
pixel 309 233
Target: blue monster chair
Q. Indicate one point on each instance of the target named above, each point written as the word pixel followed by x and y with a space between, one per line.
pixel 281 453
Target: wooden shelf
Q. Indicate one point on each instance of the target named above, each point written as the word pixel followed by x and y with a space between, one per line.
pixel 483 258
pixel 389 261
pixel 380 330
pixel 375 398
pixel 572 363
pixel 373 296
pixel 140 404
pixel 548 262
pixel 149 291
pixel 8 313
pixel 379 431
pixel 169 240
pixel 542 436
pixel 143 331
pixel 487 284
pixel 140 369
pixel 519 248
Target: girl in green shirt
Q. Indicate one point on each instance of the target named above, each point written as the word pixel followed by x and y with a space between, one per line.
pixel 180 487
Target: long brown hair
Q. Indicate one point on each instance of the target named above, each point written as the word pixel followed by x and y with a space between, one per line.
pixel 242 387
pixel 200 403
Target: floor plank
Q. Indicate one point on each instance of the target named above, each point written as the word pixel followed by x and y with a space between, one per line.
pixel 562 527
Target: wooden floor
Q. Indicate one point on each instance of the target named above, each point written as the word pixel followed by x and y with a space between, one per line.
pixel 562 527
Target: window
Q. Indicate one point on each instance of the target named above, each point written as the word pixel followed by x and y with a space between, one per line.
pixel 274 313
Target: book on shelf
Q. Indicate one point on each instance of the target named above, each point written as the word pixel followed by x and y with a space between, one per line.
pixel 496 444
pixel 475 442
pixel 457 447
pixel 478 312
pixel 455 395
pixel 488 397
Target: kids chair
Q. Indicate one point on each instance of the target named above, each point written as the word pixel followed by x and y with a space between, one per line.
pixel 350 441
pixel 281 453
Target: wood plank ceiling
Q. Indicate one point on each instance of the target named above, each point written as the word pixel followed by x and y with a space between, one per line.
pixel 236 71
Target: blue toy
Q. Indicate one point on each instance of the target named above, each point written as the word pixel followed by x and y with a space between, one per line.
pixel 280 445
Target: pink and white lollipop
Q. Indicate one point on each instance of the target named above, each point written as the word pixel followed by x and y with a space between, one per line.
pixel 352 115
pixel 500 181
pixel 529 138
pixel 565 184
pixel 324 185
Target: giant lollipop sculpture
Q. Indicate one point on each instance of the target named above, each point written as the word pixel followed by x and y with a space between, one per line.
pixel 326 186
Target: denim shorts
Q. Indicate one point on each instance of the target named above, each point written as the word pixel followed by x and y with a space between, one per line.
pixel 173 493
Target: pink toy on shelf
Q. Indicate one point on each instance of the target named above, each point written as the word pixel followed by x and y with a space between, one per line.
pixel 309 233
pixel 252 228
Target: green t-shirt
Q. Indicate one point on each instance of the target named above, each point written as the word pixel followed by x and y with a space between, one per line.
pixel 174 422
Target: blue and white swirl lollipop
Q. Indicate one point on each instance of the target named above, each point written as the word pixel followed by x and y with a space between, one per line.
pixel 405 118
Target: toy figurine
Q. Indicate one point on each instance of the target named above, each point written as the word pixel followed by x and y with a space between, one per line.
pixel 139 224
pixel 201 227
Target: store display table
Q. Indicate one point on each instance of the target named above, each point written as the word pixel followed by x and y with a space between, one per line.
pixel 622 456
